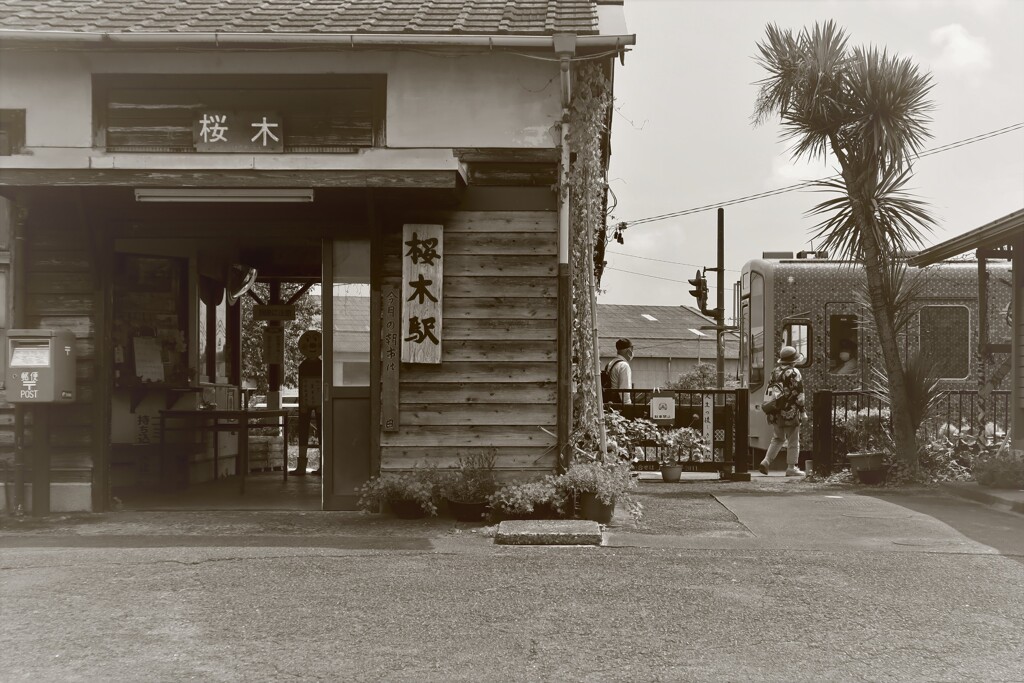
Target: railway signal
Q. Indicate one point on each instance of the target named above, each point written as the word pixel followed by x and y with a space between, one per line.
pixel 700 292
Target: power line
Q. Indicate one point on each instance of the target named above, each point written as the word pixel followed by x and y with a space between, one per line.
pixel 675 263
pixel 789 188
pixel 658 277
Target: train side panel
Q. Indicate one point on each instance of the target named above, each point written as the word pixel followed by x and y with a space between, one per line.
pixel 812 304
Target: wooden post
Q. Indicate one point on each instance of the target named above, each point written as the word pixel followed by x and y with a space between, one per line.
pixel 742 426
pixel 821 438
pixel 41 459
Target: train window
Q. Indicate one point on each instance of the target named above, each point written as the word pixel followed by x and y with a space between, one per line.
pixel 798 335
pixel 756 334
pixel 843 354
pixel 946 340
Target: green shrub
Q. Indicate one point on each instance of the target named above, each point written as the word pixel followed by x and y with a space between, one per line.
pixel 518 500
pixel 472 480
pixel 420 486
pixel 1002 469
pixel 626 435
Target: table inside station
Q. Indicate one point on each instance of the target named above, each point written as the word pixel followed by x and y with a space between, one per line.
pixel 215 421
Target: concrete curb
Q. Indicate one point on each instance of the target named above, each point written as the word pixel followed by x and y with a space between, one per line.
pixel 548 532
pixel 1012 500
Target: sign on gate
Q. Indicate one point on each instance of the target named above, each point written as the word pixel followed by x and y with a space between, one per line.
pixel 709 422
pixel 663 408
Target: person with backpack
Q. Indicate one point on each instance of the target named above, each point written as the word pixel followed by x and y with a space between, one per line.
pixel 783 407
pixel 618 375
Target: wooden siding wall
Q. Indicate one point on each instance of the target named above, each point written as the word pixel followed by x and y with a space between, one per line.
pixel 61 291
pixel 495 388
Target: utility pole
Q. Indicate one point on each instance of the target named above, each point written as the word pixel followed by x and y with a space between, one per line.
pixel 720 304
pixel 718 313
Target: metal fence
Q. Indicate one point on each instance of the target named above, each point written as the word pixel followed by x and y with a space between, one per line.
pixel 727 410
pixel 850 421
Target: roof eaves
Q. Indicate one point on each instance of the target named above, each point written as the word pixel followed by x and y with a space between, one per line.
pixel 996 233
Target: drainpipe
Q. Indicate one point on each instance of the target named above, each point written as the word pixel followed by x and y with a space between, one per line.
pixel 566 48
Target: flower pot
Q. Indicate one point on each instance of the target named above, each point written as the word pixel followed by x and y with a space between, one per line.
pixel 593 509
pixel 874 476
pixel 867 466
pixel 408 509
pixel 671 472
pixel 865 460
pixel 467 511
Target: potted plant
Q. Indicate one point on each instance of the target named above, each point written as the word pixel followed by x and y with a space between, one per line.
pixel 538 499
pixel 410 495
pixel 598 486
pixel 683 444
pixel 468 488
pixel 866 432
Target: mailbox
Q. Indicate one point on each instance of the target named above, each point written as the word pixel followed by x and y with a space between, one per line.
pixel 41 366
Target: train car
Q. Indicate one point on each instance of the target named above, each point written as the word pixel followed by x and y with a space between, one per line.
pixel 811 303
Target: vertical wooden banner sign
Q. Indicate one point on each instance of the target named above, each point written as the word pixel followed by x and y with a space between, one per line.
pixel 422 253
pixel 391 326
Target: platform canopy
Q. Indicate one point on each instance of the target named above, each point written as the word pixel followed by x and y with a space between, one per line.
pixel 998 233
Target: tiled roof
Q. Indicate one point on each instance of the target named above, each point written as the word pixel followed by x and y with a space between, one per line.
pixel 487 17
pixel 669 335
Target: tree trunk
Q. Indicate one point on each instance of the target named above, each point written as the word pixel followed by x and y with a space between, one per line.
pixel 874 254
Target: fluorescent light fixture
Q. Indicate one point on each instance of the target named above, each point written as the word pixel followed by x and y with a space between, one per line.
pixel 698 332
pixel 649 317
pixel 189 194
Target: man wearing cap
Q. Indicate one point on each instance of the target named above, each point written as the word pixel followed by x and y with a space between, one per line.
pixel 619 371
pixel 786 422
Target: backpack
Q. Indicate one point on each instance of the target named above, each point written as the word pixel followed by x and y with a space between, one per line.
pixel 772 403
pixel 607 393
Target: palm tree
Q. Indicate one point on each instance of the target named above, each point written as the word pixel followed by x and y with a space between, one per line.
pixel 869 110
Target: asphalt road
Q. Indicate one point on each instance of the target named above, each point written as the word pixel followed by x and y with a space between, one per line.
pixel 721 583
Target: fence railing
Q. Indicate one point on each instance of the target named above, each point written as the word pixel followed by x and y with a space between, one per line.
pixel 850 421
pixel 727 410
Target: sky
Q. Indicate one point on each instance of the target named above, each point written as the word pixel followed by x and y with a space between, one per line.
pixel 683 138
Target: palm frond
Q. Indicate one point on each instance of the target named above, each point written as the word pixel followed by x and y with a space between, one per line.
pixel 921 379
pixel 898 221
pixel 890 97
pixel 804 86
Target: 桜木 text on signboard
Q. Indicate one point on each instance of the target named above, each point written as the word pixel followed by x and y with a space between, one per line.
pixel 238 131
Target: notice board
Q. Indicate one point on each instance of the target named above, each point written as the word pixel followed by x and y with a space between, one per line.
pixel 150 320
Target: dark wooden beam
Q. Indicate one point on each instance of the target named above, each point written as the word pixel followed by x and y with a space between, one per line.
pixel 507 155
pixel 422 179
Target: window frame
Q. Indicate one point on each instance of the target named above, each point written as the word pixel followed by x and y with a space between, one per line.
pixel 967 351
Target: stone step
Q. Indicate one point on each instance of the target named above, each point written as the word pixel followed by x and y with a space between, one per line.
pixel 548 532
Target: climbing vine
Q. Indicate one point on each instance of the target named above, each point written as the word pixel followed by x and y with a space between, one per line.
pixel 587 185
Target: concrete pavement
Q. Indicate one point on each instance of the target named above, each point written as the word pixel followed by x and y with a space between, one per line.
pixel 774 580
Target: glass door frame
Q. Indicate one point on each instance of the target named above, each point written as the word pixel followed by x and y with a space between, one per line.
pixel 331 499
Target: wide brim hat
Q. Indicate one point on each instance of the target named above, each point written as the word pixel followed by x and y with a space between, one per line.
pixel 790 355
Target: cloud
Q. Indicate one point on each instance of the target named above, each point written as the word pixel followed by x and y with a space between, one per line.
pixel 960 51
pixel 786 171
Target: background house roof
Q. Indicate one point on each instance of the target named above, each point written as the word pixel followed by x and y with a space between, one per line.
pixel 494 17
pixel 660 332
